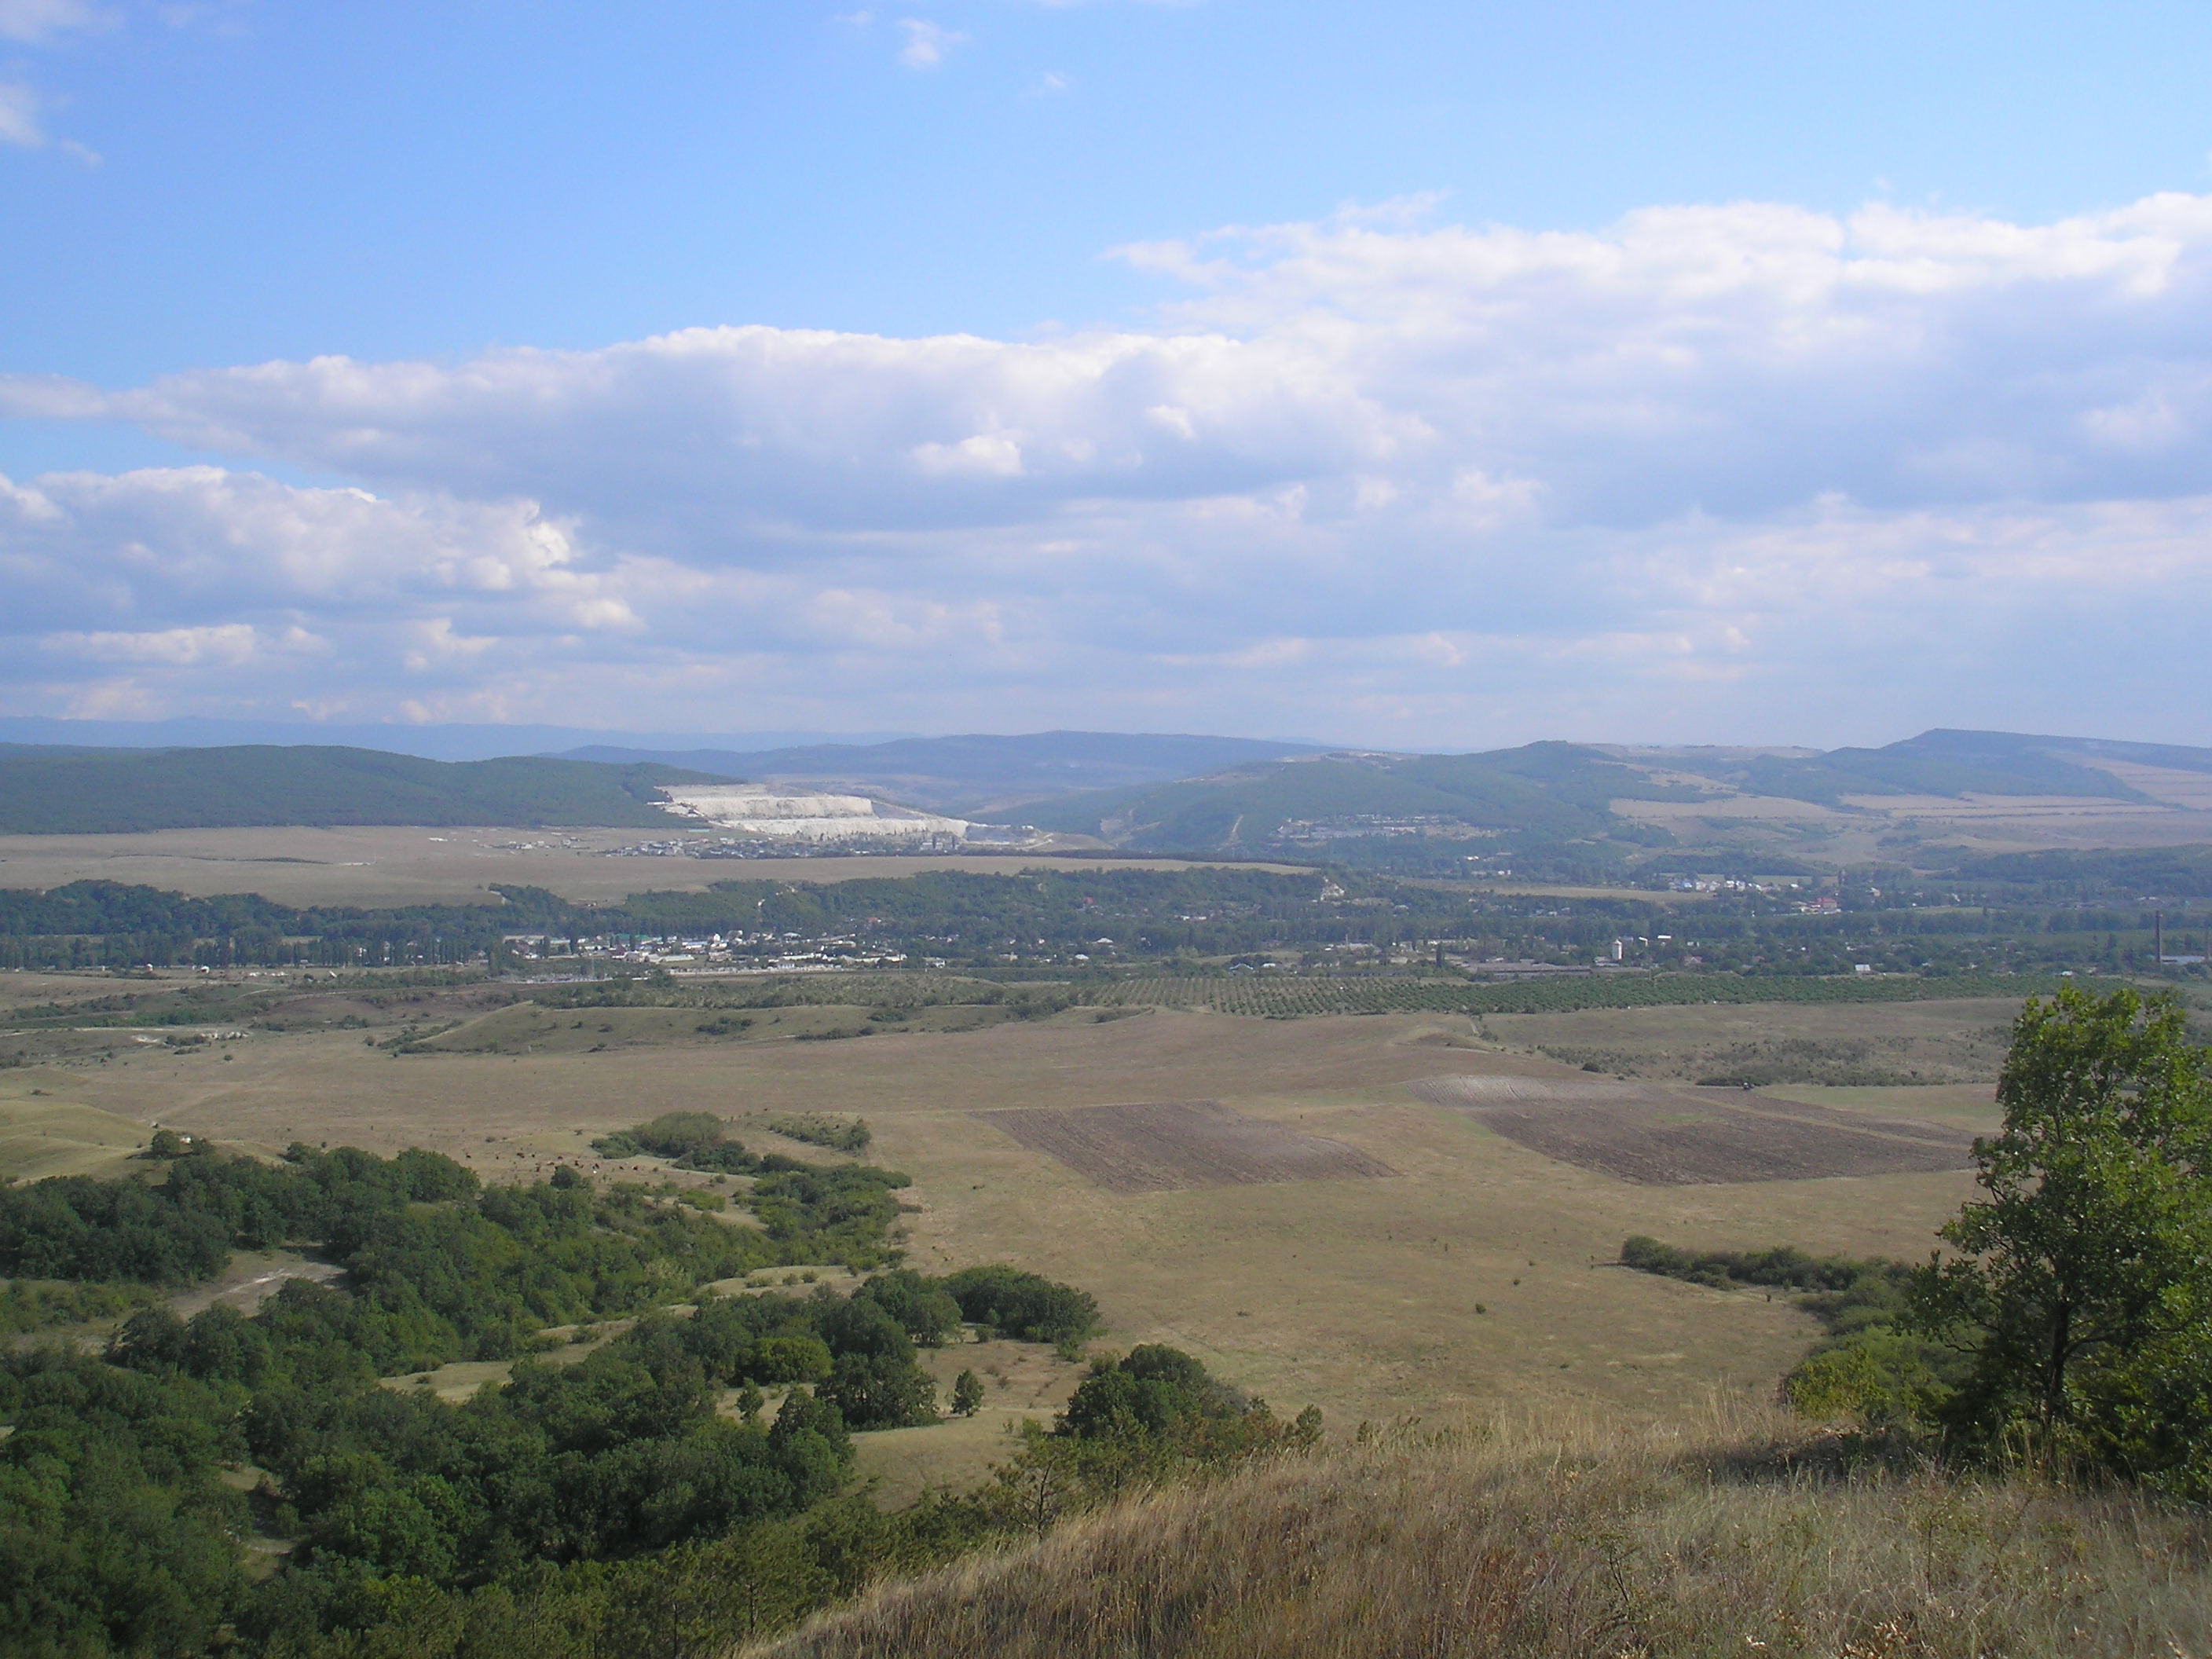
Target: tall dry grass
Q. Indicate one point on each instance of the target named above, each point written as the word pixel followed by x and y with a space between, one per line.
pixel 1748 1538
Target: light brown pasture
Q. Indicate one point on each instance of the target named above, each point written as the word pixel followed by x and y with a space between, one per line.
pixel 388 865
pixel 1952 1041
pixel 1480 1272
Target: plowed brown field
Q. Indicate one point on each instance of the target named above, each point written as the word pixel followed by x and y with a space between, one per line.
pixel 1679 1137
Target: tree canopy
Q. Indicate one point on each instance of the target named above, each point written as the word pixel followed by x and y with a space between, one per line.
pixel 2083 1278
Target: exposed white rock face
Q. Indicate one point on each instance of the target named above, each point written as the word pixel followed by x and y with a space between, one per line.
pixel 733 803
pixel 803 815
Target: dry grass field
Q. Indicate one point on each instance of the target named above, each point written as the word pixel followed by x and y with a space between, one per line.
pixel 44 1131
pixel 385 865
pixel 1165 1148
pixel 1571 1537
pixel 1934 1043
pixel 528 1029
pixel 1478 1271
pixel 1968 1106
pixel 1022 1382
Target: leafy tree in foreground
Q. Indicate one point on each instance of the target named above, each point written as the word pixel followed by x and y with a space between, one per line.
pixel 2087 1269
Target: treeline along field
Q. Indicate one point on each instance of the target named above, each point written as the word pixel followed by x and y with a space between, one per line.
pixel 1084 924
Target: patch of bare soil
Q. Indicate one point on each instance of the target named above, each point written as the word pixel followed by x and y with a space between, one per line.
pixel 1676 1137
pixel 252 1279
pixel 1165 1147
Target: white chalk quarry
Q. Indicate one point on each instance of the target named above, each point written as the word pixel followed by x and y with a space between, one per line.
pixel 769 814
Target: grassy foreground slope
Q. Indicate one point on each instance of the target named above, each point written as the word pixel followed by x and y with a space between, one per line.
pixel 112 791
pixel 1759 1537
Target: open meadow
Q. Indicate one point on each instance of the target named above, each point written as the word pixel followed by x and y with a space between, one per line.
pixel 1938 1041
pixel 1384 1216
pixel 377 865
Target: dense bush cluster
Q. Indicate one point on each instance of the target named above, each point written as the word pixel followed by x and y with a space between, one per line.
pixel 28 1306
pixel 185 1227
pixel 438 1268
pixel 120 1515
pixel 708 1594
pixel 1784 1268
pixel 1022 1304
pixel 692 1140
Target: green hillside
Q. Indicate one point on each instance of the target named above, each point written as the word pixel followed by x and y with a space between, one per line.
pixel 114 791
pixel 1551 794
pixel 1945 763
pixel 1555 790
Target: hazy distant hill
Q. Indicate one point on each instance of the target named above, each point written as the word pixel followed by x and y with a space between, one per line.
pixel 966 774
pixel 1558 789
pixel 1562 792
pixel 444 741
pixel 89 792
pixel 1953 764
pixel 1152 794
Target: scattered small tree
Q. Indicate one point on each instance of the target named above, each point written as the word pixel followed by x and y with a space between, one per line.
pixel 967 1394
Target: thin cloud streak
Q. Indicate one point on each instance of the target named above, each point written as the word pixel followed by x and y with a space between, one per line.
pixel 926 43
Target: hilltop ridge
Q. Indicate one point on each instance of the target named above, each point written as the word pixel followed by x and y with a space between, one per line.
pixel 1481 812
pixel 91 791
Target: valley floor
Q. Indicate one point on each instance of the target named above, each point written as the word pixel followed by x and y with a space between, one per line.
pixel 1476 1270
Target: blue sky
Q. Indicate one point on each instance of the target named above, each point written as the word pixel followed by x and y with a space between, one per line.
pixel 1425 375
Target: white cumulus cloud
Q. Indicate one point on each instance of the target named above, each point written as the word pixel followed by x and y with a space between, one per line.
pixel 1741 471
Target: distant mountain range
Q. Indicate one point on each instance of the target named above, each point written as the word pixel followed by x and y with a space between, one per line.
pixel 1166 793
pixel 1947 763
pixel 1566 793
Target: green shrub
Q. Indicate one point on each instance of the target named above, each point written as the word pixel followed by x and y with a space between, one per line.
pixel 1871 1366
pixel 1024 1304
pixel 818 1130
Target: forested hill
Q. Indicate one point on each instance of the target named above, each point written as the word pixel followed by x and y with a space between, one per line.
pixel 1547 794
pixel 1554 790
pixel 113 791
